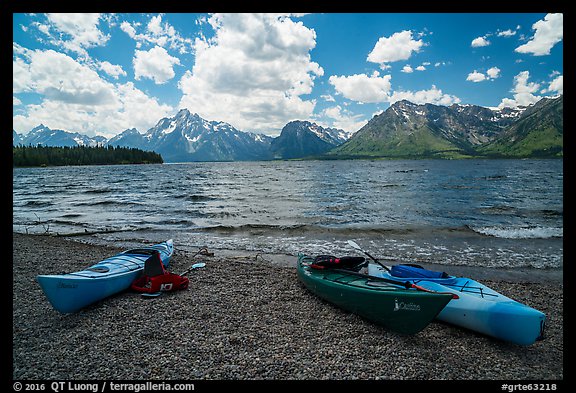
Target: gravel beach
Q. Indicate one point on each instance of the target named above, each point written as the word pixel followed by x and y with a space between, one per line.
pixel 244 318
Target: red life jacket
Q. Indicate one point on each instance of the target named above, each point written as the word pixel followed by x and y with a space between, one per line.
pixel 156 278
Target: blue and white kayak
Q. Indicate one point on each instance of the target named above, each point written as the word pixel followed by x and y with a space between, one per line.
pixel 70 292
pixel 478 308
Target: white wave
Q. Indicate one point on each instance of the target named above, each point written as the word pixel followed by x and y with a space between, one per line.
pixel 533 232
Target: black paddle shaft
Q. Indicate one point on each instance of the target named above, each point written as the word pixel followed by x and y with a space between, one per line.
pixel 375 260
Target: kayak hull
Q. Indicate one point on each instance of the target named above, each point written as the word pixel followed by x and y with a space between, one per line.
pixel 398 309
pixel 70 292
pixel 481 308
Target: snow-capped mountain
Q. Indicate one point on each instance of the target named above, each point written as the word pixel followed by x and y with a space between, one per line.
pixel 189 137
pixel 405 129
pixel 128 138
pixel 45 136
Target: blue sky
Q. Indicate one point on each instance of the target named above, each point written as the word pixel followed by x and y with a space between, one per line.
pixel 100 74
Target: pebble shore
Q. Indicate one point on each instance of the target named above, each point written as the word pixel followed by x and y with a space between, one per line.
pixel 243 318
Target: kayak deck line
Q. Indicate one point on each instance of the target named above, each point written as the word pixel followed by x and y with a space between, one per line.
pixel 462 288
pixel 361 282
pixel 128 262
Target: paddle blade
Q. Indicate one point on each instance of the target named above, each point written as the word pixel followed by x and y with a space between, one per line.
pixel 354 244
pixel 153 294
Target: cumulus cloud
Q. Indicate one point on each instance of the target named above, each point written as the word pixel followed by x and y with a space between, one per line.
pixel 75 97
pixel 155 64
pixel 430 96
pixel 113 70
pixel 506 33
pixel 60 78
pixel 407 69
pixel 338 117
pixel 376 89
pixel 158 33
pixel 479 42
pixel 75 32
pixel 556 85
pixel 548 32
pixel 491 74
pixel 363 88
pixel 523 92
pixel 476 76
pixel 253 72
pixel 399 46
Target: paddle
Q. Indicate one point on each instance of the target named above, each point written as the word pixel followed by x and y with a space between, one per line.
pixel 406 284
pixel 193 267
pixel 356 246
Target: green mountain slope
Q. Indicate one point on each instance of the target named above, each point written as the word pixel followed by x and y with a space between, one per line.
pixel 538 133
pixel 407 130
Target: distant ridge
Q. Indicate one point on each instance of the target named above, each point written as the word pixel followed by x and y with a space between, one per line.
pixel 408 130
pixel 404 130
pixel 300 139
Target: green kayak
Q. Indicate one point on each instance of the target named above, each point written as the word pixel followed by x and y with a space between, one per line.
pixel 394 306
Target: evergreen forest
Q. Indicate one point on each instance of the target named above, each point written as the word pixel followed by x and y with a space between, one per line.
pixel 29 156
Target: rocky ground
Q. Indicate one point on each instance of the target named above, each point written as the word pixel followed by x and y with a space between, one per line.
pixel 244 318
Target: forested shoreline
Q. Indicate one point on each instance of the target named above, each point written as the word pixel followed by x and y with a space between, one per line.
pixel 29 156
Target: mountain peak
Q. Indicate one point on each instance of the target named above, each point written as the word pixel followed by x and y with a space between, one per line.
pixel 183 112
pixel 39 127
pixel 301 138
pixel 405 103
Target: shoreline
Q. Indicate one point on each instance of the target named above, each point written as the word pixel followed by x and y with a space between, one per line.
pixel 245 318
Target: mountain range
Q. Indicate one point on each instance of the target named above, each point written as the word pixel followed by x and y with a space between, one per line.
pixel 408 130
pixel 189 137
pixel 404 130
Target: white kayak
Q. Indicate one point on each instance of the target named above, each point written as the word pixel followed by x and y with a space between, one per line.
pixel 478 308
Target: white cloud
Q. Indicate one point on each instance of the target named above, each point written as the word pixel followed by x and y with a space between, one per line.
pixel 113 70
pixel 421 68
pixel 549 32
pixel 476 76
pixel 407 69
pixel 557 85
pixel 430 96
pixel 74 97
pixel 158 33
pixel 60 78
pixel 479 42
pixel 128 29
pixel 493 72
pixel 506 33
pixel 523 92
pixel 375 89
pixel 81 28
pixel 337 117
pixel 399 46
pixel 252 73
pixel 363 88
pixel 155 64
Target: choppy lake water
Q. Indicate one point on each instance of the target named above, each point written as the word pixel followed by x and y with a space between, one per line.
pixel 488 213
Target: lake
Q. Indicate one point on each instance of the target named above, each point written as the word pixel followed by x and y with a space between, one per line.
pixel 480 213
